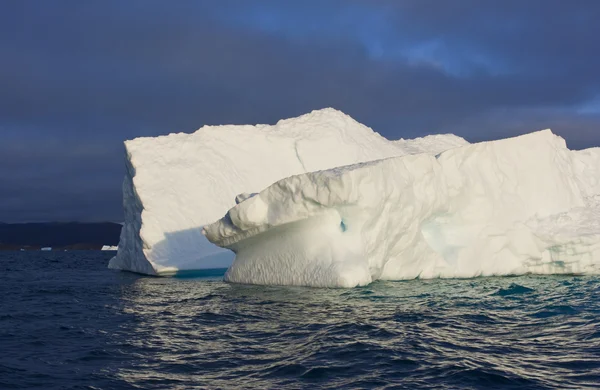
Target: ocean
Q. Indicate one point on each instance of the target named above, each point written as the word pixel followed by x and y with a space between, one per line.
pixel 68 322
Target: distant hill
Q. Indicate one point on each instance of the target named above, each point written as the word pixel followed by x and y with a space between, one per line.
pixel 58 235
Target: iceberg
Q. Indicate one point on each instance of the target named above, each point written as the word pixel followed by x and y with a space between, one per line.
pixel 109 248
pixel 515 206
pixel 176 184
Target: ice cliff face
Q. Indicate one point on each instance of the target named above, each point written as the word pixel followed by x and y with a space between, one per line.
pixel 176 184
pixel 514 206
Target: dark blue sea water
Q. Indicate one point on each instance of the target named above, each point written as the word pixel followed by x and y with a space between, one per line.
pixel 67 322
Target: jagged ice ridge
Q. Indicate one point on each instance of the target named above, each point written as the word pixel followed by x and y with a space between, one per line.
pixel 521 205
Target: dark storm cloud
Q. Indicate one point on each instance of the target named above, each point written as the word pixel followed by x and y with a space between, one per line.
pixel 78 78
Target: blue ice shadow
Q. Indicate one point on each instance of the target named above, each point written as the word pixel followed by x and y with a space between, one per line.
pixel 212 273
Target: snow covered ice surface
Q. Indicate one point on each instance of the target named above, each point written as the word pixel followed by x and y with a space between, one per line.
pixel 176 184
pixel 520 205
pixel 322 200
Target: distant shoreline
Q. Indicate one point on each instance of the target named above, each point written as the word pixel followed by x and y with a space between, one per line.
pixel 75 247
pixel 58 236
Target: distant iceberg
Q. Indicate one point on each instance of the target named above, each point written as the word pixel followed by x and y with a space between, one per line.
pixel 176 184
pixel 109 248
pixel 515 206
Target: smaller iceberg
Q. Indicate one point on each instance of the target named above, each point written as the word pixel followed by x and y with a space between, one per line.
pixel 521 205
pixel 109 248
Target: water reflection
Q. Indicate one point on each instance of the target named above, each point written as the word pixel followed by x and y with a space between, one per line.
pixel 521 331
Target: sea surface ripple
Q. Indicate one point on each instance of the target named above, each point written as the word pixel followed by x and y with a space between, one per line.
pixel 67 322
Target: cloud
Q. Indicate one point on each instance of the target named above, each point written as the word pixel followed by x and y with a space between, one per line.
pixel 80 77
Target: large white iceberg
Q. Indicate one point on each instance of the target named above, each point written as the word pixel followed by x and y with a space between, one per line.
pixel 521 205
pixel 176 184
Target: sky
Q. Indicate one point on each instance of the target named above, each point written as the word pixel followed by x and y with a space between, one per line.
pixel 77 78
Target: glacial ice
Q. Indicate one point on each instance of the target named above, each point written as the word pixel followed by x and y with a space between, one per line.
pixel 521 205
pixel 176 184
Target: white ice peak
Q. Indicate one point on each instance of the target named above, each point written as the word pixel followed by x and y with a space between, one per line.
pixel 176 184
